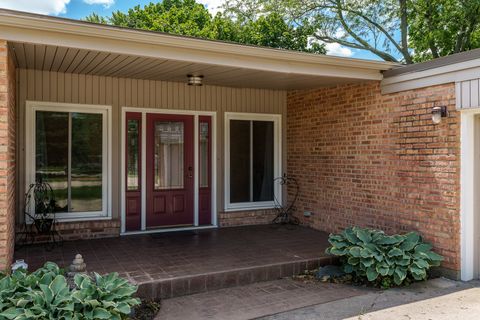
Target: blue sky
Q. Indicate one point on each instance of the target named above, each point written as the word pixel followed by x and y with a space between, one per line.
pixel 77 9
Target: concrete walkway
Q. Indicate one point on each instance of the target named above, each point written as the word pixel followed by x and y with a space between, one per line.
pixel 437 299
pixel 254 300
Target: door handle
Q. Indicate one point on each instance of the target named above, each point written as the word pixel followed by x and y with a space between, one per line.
pixel 190 172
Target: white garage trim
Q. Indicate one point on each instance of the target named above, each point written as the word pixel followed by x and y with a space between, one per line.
pixel 468 220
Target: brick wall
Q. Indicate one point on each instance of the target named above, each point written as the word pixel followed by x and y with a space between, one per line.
pixel 89 229
pixel 367 159
pixel 81 230
pixel 245 218
pixel 7 156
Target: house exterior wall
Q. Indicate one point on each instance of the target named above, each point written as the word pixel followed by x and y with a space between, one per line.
pixel 7 158
pixel 37 85
pixel 468 93
pixel 246 218
pixel 367 159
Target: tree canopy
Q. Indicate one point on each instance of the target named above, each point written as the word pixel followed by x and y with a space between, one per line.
pixel 394 30
pixel 443 27
pixel 405 31
pixel 189 18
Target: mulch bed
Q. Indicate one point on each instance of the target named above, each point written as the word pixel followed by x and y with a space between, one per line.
pixel 310 276
pixel 146 311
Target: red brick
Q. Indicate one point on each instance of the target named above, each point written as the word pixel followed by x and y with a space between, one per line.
pixel 367 159
pixel 7 148
pixel 84 230
pixel 245 218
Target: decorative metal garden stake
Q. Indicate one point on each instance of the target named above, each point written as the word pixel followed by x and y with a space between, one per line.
pixel 39 209
pixel 285 212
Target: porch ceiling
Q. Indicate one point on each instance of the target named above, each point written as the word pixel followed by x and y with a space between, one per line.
pixel 82 61
pixel 63 45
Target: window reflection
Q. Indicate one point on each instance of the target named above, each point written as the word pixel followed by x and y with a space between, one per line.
pixel 251 161
pixel 169 148
pixel 69 156
pixel 51 154
pixel 86 172
pixel 204 153
pixel 132 155
pixel 239 161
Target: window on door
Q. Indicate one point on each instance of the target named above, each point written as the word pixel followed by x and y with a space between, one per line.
pixel 253 161
pixel 169 157
pixel 69 151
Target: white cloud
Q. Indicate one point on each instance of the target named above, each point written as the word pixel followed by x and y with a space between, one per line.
pixel 213 5
pixel 36 6
pixel 105 3
pixel 335 49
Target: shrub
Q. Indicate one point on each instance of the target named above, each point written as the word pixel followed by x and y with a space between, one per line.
pixel 373 255
pixel 45 294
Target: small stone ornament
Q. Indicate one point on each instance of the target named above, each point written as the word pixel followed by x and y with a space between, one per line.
pixel 19 264
pixel 78 265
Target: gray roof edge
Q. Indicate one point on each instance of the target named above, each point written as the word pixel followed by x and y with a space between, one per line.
pixel 436 63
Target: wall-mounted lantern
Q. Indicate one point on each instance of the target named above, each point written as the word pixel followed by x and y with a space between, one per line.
pixel 438 113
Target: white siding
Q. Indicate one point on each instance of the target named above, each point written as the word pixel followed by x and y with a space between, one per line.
pixel 467 94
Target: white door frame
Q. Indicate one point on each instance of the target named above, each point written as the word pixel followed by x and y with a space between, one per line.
pixel 469 187
pixel 196 115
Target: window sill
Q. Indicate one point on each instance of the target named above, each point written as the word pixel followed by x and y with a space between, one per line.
pixel 82 218
pixel 76 219
pixel 244 207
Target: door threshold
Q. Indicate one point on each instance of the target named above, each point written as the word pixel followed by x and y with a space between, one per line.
pixel 165 230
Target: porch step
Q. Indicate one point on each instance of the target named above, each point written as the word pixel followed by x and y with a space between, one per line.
pixel 197 283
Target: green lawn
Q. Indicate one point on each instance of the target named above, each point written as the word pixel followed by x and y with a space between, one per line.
pixel 83 192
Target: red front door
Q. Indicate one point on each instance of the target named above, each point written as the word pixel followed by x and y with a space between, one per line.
pixel 170 170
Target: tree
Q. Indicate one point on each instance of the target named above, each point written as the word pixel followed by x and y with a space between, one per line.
pixel 443 27
pixel 360 24
pixel 184 17
pixel 394 30
pixel 187 17
pixel 96 18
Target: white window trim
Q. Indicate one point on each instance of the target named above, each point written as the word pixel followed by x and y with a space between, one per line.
pixel 277 159
pixel 106 111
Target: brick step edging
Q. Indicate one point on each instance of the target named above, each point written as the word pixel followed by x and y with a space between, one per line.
pixel 180 286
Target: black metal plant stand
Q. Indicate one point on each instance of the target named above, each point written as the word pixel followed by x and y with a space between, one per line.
pixel 39 217
pixel 285 212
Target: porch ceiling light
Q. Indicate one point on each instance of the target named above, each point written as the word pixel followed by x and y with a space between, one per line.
pixel 438 113
pixel 194 80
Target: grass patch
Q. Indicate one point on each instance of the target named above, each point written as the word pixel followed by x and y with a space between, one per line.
pixel 82 192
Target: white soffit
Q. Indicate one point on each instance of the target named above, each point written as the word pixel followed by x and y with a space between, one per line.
pixel 97 63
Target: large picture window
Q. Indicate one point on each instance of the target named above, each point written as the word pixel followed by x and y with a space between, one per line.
pixel 68 149
pixel 252 160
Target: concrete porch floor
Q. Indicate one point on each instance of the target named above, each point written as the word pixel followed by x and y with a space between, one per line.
pixel 173 264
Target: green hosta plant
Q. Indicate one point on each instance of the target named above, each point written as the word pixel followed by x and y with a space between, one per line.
pixel 107 297
pixel 45 294
pixel 381 258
